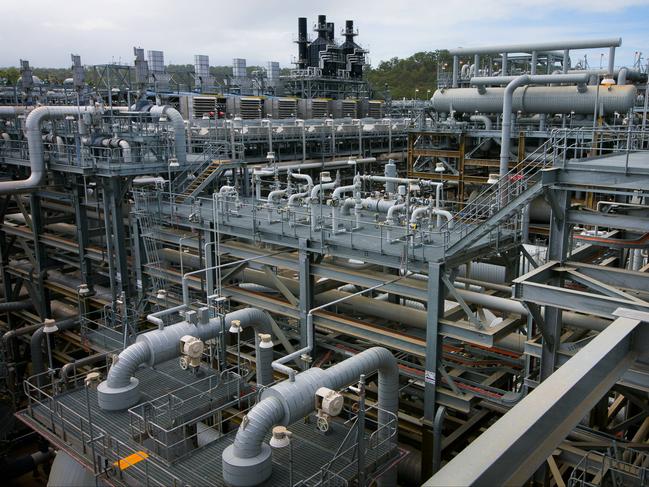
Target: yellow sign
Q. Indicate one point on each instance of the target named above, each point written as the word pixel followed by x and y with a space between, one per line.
pixel 131 460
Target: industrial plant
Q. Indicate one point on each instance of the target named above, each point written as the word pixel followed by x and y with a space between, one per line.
pixel 283 277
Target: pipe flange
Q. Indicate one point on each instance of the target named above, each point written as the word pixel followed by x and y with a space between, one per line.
pixel 118 398
pixel 247 472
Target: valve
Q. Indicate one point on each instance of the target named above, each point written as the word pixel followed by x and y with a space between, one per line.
pixel 191 350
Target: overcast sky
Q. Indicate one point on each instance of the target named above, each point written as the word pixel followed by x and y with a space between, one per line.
pixel 46 32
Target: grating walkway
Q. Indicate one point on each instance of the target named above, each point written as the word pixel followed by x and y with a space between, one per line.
pixel 64 419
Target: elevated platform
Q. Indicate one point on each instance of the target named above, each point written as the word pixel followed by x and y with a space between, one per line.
pixel 130 449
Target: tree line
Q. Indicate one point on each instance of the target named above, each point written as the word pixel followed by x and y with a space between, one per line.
pixel 411 77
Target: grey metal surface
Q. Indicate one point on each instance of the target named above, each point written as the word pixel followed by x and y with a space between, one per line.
pixel 511 450
pixel 311 449
pixel 538 46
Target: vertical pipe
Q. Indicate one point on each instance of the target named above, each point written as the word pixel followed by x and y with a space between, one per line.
pixel 611 60
pixel 504 64
pixel 456 63
pixel 476 63
pixel 566 61
pixel 534 62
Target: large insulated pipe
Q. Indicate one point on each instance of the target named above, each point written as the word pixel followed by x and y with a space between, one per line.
pixel 508 95
pixel 178 123
pixel 538 46
pixel 248 461
pixel 35 145
pixel 15 305
pixel 418 319
pixel 536 99
pixel 120 390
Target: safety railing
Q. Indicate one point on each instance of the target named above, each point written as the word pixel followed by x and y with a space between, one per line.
pixel 173 424
pixel 109 457
pixel 380 450
pixel 507 188
pixel 618 465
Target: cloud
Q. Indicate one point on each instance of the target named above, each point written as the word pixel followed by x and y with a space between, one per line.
pixel 263 30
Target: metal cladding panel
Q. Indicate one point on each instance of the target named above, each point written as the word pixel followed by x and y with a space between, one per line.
pixel 239 68
pixel 272 70
pixel 201 65
pixel 537 99
pixel 156 61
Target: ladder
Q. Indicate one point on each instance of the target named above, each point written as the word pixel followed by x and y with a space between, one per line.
pixel 144 201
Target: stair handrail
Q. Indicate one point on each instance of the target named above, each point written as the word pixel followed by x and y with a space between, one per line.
pixel 498 194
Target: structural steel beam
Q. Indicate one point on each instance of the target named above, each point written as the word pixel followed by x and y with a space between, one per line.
pixel 511 450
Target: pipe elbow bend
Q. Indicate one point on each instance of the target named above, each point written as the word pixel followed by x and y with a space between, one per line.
pixel 121 390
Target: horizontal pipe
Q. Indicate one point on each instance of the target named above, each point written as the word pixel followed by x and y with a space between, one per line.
pixel 538 46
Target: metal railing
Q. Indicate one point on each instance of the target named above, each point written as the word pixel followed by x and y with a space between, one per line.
pixel 110 457
pixel 617 466
pixel 169 424
pixel 379 449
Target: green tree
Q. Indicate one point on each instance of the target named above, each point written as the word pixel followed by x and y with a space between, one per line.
pixel 403 76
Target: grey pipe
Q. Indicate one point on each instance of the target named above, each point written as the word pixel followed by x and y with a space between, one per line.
pixel 120 390
pixel 538 46
pixel 36 346
pixel 536 99
pixel 519 81
pixel 70 367
pixel 35 146
pixel 248 461
pixel 178 123
pixel 8 306
pixel 418 319
pixel 487 126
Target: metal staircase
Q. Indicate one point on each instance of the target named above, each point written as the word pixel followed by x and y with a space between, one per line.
pixel 206 175
pixel 498 209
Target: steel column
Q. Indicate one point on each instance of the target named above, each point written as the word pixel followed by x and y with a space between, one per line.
pixel 511 450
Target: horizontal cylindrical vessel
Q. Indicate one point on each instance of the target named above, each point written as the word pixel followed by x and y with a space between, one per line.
pixel 536 99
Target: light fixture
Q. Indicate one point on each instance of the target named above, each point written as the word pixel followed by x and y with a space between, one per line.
pixel 161 294
pixel 163 118
pixel 49 326
pixel 270 156
pixel 281 437
pixel 325 177
pixel 439 167
pixel 206 117
pixel 608 81
pixel 493 179
pixel 173 162
pixel 235 326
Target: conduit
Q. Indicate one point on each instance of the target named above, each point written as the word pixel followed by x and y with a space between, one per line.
pixel 120 390
pixel 248 461
pixel 35 145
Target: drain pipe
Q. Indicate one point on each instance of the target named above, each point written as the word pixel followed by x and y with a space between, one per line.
pixel 35 145
pixel 121 390
pixel 248 461
pixel 512 85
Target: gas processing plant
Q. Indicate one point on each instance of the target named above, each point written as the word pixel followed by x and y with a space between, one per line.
pixel 276 279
